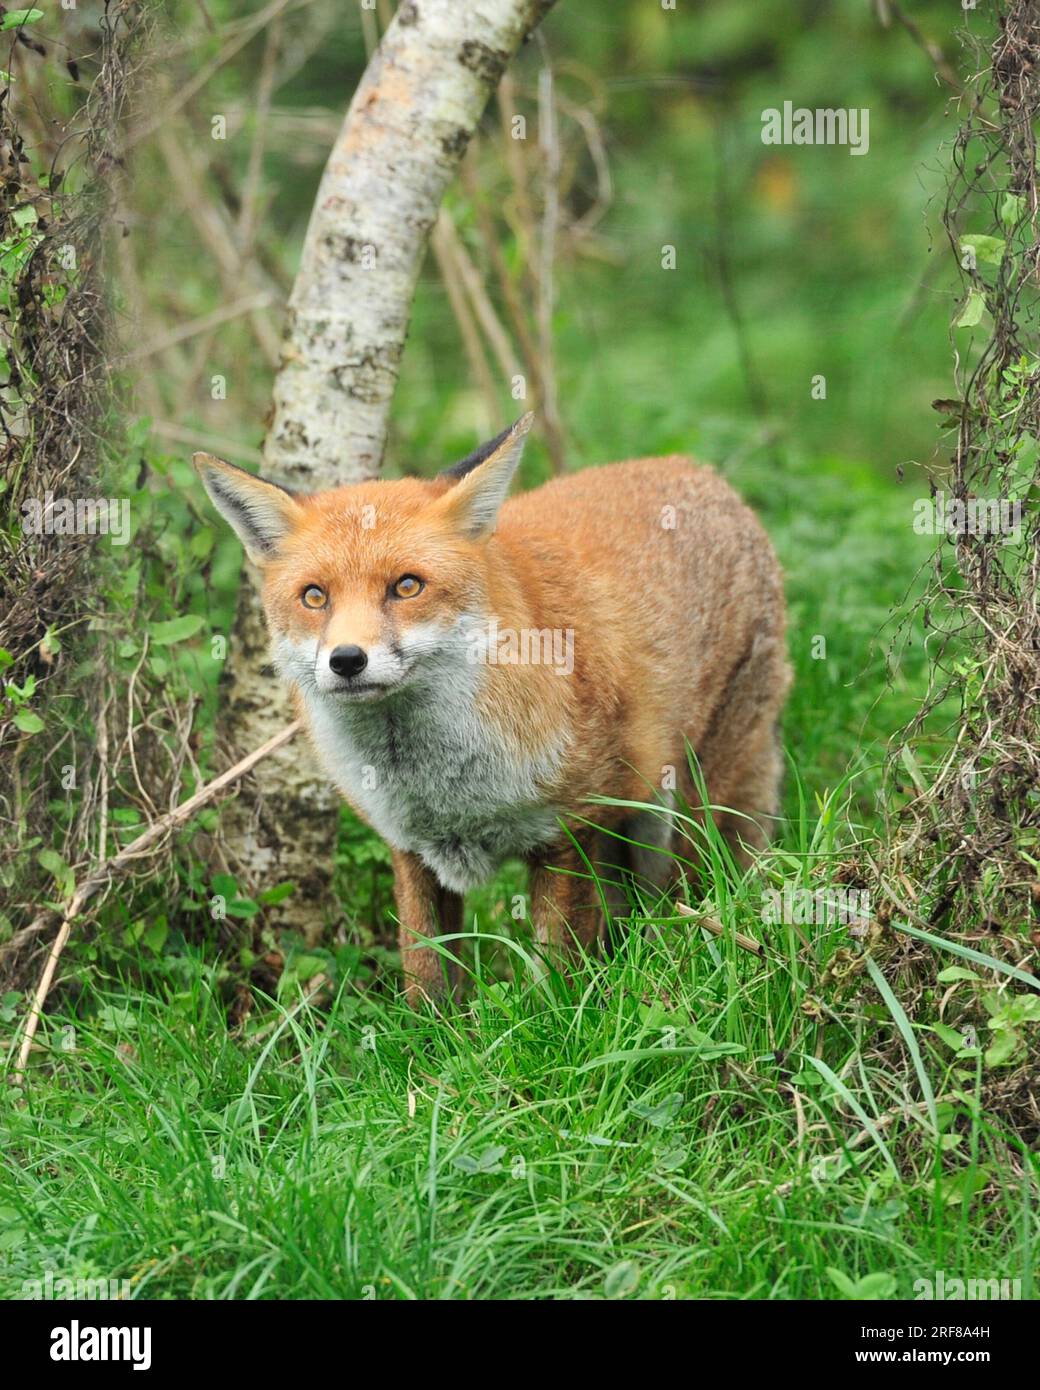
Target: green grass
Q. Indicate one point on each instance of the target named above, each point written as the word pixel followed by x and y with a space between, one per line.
pixel 683 1120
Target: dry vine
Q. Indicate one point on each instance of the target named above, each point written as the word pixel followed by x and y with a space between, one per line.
pixel 963 858
pixel 55 404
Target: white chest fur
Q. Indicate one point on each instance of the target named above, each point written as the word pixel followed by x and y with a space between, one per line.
pixel 433 777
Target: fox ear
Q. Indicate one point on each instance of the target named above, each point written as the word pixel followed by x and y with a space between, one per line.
pixel 472 505
pixel 259 512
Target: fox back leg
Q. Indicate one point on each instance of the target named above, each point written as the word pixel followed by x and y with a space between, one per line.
pixel 740 757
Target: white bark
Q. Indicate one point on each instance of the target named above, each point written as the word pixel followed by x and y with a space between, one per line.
pixel 412 116
pixel 410 121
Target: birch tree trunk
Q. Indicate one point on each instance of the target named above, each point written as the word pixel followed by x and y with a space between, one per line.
pixel 412 116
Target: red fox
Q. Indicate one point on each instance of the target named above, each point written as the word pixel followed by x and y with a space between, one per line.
pixel 474 670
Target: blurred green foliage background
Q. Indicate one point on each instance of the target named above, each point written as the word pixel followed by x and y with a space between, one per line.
pixel 830 258
pixel 790 263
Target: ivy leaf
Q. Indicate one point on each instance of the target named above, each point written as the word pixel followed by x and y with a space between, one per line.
pixel 28 722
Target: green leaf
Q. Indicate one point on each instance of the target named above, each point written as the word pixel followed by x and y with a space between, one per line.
pixel 301 967
pixel 836 1083
pixel 988 249
pixel 175 629
pixel 968 953
pixel 202 542
pixel 952 1038
pixel 13 18
pixel 962 1186
pixel 486 1162
pixel 875 1286
pixel 278 894
pixel 622 1280
pixel 1003 1049
pixel 903 1024
pixel 242 907
pixel 155 937
pixel 1011 210
pixel 974 308
pixel 28 722
pixel 50 860
pixel 955 972
pixel 842 1282
pixel 661 1114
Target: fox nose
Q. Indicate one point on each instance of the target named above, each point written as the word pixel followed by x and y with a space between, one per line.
pixel 348 661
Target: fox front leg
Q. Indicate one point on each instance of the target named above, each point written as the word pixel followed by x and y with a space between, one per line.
pixel 424 910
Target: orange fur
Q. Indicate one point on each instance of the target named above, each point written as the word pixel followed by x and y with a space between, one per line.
pixel 674 598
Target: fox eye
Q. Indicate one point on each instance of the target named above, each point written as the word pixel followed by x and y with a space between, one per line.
pixel 408 586
pixel 313 597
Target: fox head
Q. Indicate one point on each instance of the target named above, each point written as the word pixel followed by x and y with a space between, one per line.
pixel 369 587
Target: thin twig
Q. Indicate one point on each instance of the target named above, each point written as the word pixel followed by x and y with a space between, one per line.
pixel 549 147
pixel 748 943
pixel 449 270
pixel 259 299
pixel 251 189
pixel 105 871
pixel 483 308
pixel 213 443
